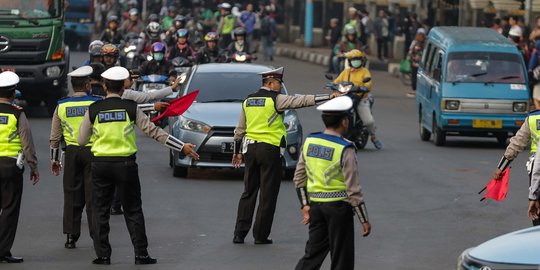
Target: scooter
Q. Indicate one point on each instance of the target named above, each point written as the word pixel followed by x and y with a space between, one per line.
pixel 181 64
pixel 129 53
pixel 357 132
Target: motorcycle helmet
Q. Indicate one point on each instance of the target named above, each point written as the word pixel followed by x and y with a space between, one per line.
pixel 110 50
pixel 356 58
pixel 158 51
pixel 225 6
pixel 153 30
pixel 182 33
pixel 211 36
pixel 239 31
pixel 95 45
pixel 153 18
pixel 133 12
pixel 350 30
pixel 112 18
pixel 179 21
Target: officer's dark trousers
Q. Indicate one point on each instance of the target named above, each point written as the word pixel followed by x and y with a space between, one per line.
pixel 124 175
pixel 263 171
pixel 11 187
pixel 535 222
pixel 77 189
pixel 331 230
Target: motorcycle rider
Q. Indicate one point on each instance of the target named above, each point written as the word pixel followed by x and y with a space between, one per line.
pixel 152 35
pixel 169 19
pixel 349 43
pixel 227 23
pixel 239 45
pixel 158 65
pixel 111 34
pixel 356 73
pixel 133 24
pixel 110 55
pixel 153 18
pixel 180 22
pixel 210 53
pixel 182 48
pixel 94 49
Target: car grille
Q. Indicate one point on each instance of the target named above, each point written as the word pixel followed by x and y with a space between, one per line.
pixel 25 51
pixel 215 157
pixel 222 131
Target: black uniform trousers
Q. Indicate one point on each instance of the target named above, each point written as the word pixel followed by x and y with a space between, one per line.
pixel 124 175
pixel 11 187
pixel 263 171
pixel 331 229
pixel 535 222
pixel 77 189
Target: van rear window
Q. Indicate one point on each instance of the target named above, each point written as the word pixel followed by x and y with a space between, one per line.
pixel 484 67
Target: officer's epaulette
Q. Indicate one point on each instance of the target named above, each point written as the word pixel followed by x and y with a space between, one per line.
pixel 535 112
pixel 17 107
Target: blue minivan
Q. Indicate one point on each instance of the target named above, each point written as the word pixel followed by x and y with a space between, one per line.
pixel 471 82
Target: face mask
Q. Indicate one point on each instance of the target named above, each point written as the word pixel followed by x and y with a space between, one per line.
pixel 158 56
pixel 356 63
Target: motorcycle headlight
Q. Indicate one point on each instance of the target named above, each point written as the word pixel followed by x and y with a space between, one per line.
pixel 192 125
pixel 344 88
pixel 291 123
pixel 240 58
pixel 130 55
pixel 53 71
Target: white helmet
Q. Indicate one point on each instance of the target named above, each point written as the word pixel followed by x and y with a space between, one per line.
pixel 515 31
pixel 153 30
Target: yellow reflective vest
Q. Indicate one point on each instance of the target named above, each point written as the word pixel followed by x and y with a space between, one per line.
pixel 534 125
pixel 10 141
pixel 263 122
pixel 71 113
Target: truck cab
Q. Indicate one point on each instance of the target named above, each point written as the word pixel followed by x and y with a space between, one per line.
pixel 32 45
pixel 79 23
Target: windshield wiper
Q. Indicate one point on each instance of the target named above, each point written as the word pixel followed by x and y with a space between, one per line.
pixel 224 100
pixel 469 75
pixel 503 79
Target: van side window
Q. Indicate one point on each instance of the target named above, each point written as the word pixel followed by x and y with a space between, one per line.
pixel 425 54
pixel 429 64
pixel 437 66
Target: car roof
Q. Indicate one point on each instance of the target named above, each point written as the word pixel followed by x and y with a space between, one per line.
pixel 232 67
pixel 471 37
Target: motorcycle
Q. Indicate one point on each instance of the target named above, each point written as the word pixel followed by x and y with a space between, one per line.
pixel 129 53
pixel 241 57
pixel 181 64
pixel 357 132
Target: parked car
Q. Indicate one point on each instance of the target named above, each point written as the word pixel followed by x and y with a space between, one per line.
pixel 471 82
pixel 210 122
pixel 515 250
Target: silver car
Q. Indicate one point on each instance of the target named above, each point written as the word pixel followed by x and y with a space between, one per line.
pixel 210 122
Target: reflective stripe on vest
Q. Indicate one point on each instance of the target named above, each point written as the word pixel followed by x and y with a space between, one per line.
pixel 10 142
pixel 534 126
pixel 263 122
pixel 114 134
pixel 71 113
pixel 323 155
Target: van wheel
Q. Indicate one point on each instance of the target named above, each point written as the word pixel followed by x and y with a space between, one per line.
pixel 424 133
pixel 439 137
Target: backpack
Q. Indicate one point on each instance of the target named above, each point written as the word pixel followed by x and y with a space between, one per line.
pixel 265 27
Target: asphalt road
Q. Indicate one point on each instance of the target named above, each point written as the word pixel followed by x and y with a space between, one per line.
pixel 422 200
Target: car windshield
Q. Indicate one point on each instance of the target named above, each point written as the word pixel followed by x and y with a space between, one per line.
pixel 224 86
pixel 29 9
pixel 484 67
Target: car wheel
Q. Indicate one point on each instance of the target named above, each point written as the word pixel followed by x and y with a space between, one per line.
pixel 424 133
pixel 439 137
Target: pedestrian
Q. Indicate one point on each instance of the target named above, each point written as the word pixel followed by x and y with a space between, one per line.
pixel 353 22
pixel 528 132
pixel 505 25
pixel 77 180
pixel 167 22
pixel 534 69
pixel 261 135
pixel 113 164
pixel 268 35
pixel 133 24
pixel 415 56
pixel 497 25
pixel 227 23
pixel 327 184
pixel 247 20
pixel 382 33
pixel 409 28
pixel 535 33
pixel 17 144
pixel 333 37
pixel 366 28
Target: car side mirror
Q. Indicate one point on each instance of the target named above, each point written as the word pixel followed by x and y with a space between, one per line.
pixel 437 74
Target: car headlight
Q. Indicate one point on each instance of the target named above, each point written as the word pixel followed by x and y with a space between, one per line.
pixel 452 105
pixel 53 71
pixel 519 106
pixel 192 125
pixel 291 123
pixel 461 260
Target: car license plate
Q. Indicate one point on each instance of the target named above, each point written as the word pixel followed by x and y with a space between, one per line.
pixel 7 69
pixel 227 147
pixel 481 123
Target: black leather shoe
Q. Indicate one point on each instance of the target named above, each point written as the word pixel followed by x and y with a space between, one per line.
pixel 116 212
pixel 145 260
pixel 70 242
pixel 11 259
pixel 238 240
pixel 264 242
pixel 102 260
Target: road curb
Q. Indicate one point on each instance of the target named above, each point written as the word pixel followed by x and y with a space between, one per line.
pixel 303 54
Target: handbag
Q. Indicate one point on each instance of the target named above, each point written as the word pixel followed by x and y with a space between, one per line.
pixel 405 66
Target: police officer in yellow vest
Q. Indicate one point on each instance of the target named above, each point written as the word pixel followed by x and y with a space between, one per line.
pixel 111 125
pixel 529 132
pixel 263 133
pixel 67 119
pixel 16 144
pixel 326 179
pixel 226 25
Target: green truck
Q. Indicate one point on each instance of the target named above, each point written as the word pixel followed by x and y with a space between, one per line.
pixel 32 45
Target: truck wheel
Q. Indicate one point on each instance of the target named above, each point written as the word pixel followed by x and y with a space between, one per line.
pixel 439 137
pixel 424 133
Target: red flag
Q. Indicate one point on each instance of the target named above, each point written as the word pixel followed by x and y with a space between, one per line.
pixel 497 189
pixel 178 105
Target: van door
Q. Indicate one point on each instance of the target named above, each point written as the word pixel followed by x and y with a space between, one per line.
pixel 435 93
pixel 424 84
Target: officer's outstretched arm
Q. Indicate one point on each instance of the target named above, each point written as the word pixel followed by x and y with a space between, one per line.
pixel 517 144
pixel 285 102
